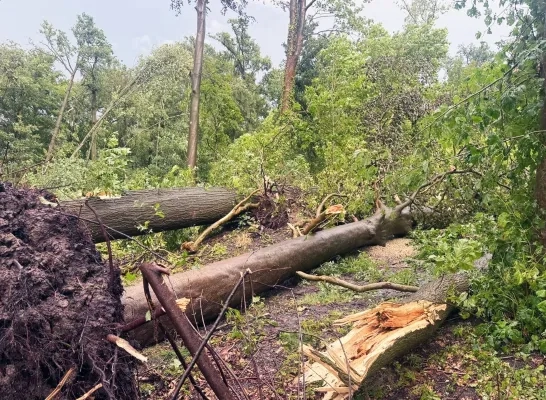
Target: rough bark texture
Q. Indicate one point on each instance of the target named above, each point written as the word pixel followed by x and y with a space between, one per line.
pixel 196 83
pixel 58 302
pixel 380 335
pixel 181 208
pixel 209 286
pixel 293 50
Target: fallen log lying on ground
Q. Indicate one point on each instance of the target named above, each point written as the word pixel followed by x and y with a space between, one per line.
pixel 162 209
pixel 379 336
pixel 209 286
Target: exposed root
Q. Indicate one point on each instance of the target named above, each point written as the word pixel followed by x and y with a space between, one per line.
pixel 358 288
pixel 240 208
pixel 57 390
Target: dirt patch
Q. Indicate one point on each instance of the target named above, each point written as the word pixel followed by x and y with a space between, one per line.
pixel 395 252
pixel 58 303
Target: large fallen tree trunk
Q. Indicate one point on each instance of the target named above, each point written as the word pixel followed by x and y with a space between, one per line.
pixel 160 209
pixel 209 286
pixel 380 335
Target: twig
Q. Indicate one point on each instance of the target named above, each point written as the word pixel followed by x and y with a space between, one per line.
pixel 63 381
pixel 86 395
pixel 238 209
pixel 209 335
pixel 358 288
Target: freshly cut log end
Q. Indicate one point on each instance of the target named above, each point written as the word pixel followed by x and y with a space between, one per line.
pixel 161 209
pixel 379 336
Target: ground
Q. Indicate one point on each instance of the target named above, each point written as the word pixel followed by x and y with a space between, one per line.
pixel 261 343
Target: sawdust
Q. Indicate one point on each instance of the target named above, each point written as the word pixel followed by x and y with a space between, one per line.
pixel 395 252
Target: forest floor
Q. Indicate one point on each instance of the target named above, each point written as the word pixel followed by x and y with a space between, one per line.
pixel 261 343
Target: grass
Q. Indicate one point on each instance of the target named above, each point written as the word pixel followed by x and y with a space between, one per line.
pixel 468 362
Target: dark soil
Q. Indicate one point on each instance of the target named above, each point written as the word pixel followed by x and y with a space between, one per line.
pixel 58 302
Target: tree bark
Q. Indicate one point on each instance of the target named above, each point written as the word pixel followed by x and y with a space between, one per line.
pixel 540 184
pixel 181 207
pixel 294 47
pixel 196 83
pixel 93 122
pixel 209 286
pixel 57 128
pixel 380 335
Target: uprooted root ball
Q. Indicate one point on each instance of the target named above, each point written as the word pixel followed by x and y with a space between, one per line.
pixel 58 302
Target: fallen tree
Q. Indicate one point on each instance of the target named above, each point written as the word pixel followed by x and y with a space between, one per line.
pixel 208 287
pixel 158 209
pixel 379 336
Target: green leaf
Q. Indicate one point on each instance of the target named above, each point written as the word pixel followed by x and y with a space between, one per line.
pixel 541 293
pixel 542 306
pixel 148 316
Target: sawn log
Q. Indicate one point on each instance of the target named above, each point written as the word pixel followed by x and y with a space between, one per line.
pixel 209 286
pixel 161 209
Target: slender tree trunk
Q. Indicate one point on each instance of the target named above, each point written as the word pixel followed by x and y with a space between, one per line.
pixel 196 83
pixel 57 128
pixel 540 187
pixel 93 122
pixel 293 50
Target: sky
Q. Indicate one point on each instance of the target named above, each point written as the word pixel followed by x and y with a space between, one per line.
pixel 135 27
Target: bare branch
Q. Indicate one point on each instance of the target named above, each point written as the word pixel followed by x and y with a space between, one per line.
pixel 358 288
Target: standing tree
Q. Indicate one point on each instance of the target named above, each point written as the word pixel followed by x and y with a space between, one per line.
pixel 345 14
pixel 423 12
pixel 294 46
pixel 201 8
pixel 96 56
pixel 58 45
pixel 91 52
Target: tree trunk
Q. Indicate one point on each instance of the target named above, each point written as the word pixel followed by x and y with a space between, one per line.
pixel 163 209
pixel 540 184
pixel 93 122
pixel 57 128
pixel 196 83
pixel 380 335
pixel 209 286
pixel 293 50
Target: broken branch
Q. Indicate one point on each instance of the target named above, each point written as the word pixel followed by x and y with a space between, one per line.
pixel 125 345
pixel 358 288
pixel 240 208
pixel 57 390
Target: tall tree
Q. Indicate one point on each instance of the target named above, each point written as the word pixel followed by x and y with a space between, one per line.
pixel 90 53
pixel 58 45
pixel 96 56
pixel 346 18
pixel 423 12
pixel 294 45
pixel 201 9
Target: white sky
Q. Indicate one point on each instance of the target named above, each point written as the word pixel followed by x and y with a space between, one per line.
pixel 134 27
